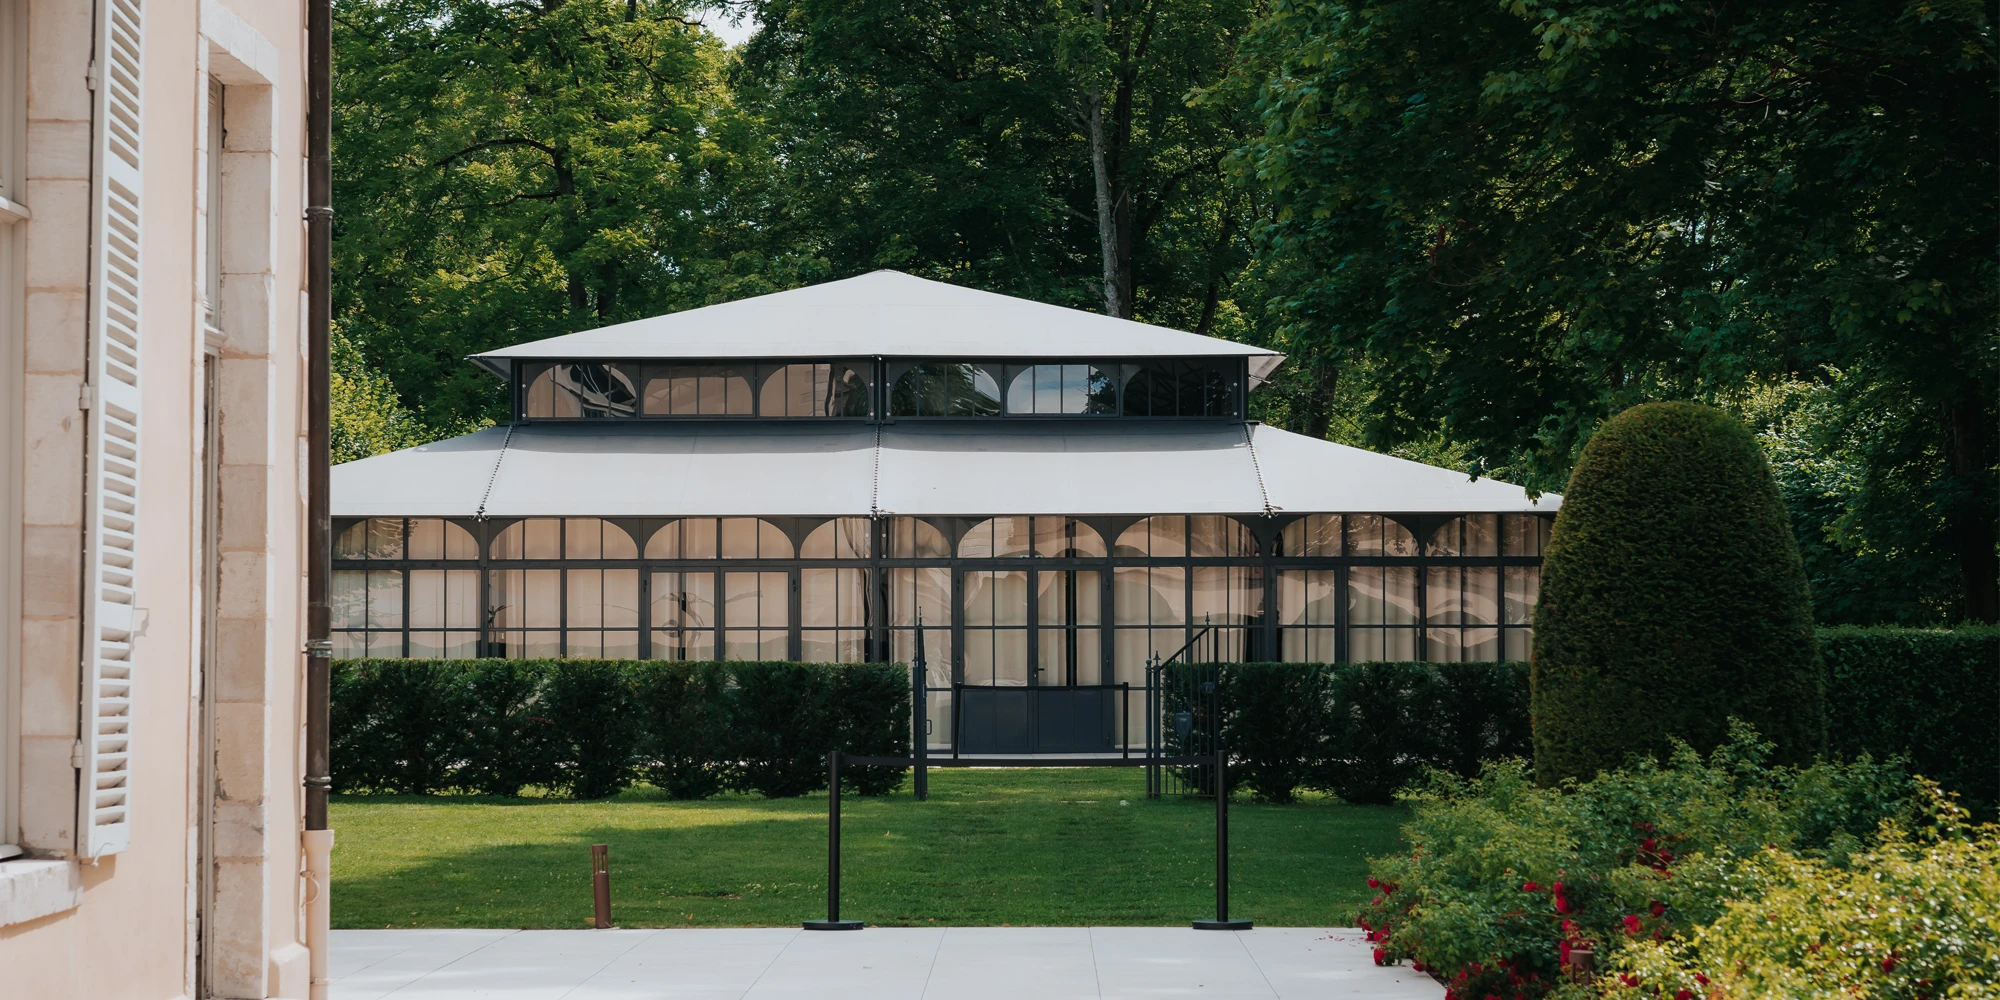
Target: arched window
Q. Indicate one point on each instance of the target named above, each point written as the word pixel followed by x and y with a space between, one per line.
pixel 945 389
pixel 1470 535
pixel 584 389
pixel 1179 389
pixel 1375 535
pixel 812 390
pixel 1214 536
pixel 687 538
pixel 998 538
pixel 564 538
pixel 1061 389
pixel 910 538
pixel 840 538
pixel 1067 538
pixel 1313 536
pixel 753 538
pixel 1524 534
pixel 1162 537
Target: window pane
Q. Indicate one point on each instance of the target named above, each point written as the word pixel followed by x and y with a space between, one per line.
pixel 739 538
pixel 1159 537
pixel 1381 595
pixel 543 598
pixel 385 599
pixel 830 598
pixel 348 600
pixel 840 538
pixel 427 598
pixel 1307 597
pixel 924 590
pixel 385 538
pixel 427 538
pixel 387 645
pixel 1307 645
pixel 353 542
pixel 1313 536
pixel 349 645
pixel 1228 595
pixel 910 538
pixel 1519 643
pixel 666 542
pixel 1150 595
pixel 1524 585
pixel 1213 536
pixel 1066 537
pixel 1375 535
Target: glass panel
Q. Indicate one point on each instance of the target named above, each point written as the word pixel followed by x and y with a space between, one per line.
pixel 1375 535
pixel 840 538
pixel 1159 537
pixel 1228 595
pixel 1381 595
pixel 353 542
pixel 833 598
pixel 1307 597
pixel 1463 595
pixel 1312 536
pixel 666 542
pixel 1066 537
pixel 349 645
pixel 833 647
pixel 922 589
pixel 1519 643
pixel 544 400
pixel 1366 645
pixel 1523 534
pixel 427 600
pixel 385 645
pixel 688 645
pixel 385 538
pixel 1001 537
pixel 1213 536
pixel 752 538
pixel 1471 535
pixel 910 538
pixel 953 389
pixel 593 389
pixel 385 599
pixel 1153 595
pixel 1307 645
pixel 1149 391
pixel 347 603
pixel 435 538
pixel 1523 589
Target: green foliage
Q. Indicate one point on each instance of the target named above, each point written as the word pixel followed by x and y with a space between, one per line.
pixel 1672 600
pixel 1506 221
pixel 367 418
pixel 508 172
pixel 1927 695
pixel 1913 916
pixel 1504 878
pixel 589 728
pixel 1361 731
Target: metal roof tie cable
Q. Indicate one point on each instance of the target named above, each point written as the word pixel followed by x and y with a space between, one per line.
pixel 480 514
pixel 1250 440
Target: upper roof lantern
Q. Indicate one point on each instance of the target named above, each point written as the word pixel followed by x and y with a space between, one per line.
pixel 885 314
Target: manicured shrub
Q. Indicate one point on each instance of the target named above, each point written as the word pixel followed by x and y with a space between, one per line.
pixel 873 701
pixel 1505 879
pixel 506 740
pixel 1672 600
pixel 1932 695
pixel 1277 729
pixel 395 726
pixel 685 715
pixel 594 715
pixel 782 723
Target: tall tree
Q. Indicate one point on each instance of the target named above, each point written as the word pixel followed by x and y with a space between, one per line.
pixel 1529 216
pixel 1048 148
pixel 506 172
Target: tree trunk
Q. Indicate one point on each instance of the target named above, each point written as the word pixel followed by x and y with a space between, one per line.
pixel 1115 301
pixel 1971 522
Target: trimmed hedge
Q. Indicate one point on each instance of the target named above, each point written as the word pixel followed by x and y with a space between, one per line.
pixel 588 728
pixel 1931 695
pixel 1672 600
pixel 1364 730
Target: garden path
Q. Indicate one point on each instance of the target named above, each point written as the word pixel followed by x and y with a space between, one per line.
pixel 917 963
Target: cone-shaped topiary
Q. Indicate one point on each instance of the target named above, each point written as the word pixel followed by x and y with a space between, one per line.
pixel 1672 599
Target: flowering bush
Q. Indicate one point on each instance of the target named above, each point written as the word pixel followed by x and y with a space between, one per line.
pixel 1917 915
pixel 1510 890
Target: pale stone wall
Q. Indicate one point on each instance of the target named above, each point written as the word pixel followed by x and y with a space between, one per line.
pixel 131 932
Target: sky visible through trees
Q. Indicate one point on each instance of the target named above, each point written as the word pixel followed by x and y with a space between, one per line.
pixel 1477 229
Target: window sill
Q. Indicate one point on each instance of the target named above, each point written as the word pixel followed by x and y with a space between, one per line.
pixel 33 889
pixel 13 211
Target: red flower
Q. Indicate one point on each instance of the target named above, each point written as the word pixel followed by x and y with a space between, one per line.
pixel 1659 909
pixel 1699 978
pixel 1381 957
pixel 1530 887
pixel 1562 901
pixel 1683 995
pixel 1632 923
pixel 1889 963
pixel 1373 884
pixel 1628 981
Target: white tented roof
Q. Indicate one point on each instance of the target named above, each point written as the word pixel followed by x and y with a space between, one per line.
pixel 884 314
pixel 938 469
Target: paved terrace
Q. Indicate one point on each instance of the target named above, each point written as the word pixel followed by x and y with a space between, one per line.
pixel 918 963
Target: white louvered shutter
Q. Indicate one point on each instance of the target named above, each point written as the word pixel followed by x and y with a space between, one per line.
pixel 112 506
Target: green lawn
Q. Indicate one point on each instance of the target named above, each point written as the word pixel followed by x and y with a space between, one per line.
pixel 1022 847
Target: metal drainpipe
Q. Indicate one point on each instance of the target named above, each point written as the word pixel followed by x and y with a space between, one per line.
pixel 317 840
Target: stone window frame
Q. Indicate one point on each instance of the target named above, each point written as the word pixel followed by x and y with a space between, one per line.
pixel 13 212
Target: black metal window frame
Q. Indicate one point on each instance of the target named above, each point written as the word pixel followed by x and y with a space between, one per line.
pixel 882 377
pixel 1263 634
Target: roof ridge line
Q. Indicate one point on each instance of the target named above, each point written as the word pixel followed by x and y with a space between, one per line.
pixel 1250 441
pixel 494 476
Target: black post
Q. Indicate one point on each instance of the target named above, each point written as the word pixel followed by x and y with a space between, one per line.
pixel 833 921
pixel 1221 921
pixel 919 720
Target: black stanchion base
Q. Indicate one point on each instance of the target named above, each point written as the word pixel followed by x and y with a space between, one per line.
pixel 1222 925
pixel 832 925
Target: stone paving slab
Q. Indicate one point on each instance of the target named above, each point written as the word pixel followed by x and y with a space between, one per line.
pixel 880 963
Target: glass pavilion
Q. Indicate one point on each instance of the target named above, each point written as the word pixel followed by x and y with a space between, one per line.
pixel 800 476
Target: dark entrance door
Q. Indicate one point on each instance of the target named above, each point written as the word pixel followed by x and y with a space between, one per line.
pixel 1005 720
